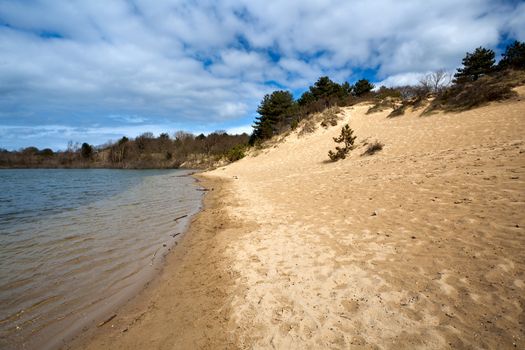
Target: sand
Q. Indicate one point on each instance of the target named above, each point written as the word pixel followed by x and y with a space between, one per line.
pixel 188 305
pixel 420 245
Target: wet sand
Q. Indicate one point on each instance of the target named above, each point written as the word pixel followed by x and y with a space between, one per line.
pixel 187 306
pixel 418 246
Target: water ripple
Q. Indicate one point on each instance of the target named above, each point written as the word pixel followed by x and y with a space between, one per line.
pixel 75 242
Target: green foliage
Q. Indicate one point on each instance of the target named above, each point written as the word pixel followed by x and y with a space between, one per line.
pixel 362 87
pixel 275 110
pixel 30 151
pixel 324 93
pixel 475 65
pixel 347 139
pixel 86 151
pixel 385 92
pixel 347 88
pixel 46 152
pixel 306 98
pixel 294 124
pixel 327 90
pixel 236 153
pixel 513 57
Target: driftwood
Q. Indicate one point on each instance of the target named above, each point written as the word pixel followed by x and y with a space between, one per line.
pixel 176 234
pixel 106 321
pixel 180 217
pixel 153 257
pixel 203 189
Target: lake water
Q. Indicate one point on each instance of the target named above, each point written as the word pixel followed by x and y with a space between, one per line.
pixel 74 244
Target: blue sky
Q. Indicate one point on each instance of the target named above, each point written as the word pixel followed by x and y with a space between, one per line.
pixel 93 71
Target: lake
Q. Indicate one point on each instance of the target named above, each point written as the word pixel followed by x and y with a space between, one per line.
pixel 76 243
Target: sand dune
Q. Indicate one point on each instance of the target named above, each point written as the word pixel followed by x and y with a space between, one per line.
pixel 421 244
pixel 418 246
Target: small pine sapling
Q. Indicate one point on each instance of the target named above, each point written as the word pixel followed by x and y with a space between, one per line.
pixel 346 137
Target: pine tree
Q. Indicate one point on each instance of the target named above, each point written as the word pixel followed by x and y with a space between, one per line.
pixel 347 88
pixel 362 87
pixel 328 91
pixel 306 98
pixel 276 108
pixel 346 137
pixel 475 65
pixel 513 57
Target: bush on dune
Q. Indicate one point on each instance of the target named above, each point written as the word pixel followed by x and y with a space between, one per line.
pixel 461 97
pixel 236 153
pixel 373 148
pixel 329 117
pixel 308 127
pixel 480 81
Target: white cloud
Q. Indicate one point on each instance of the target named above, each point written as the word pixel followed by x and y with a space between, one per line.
pixel 232 110
pixel 516 22
pixel 411 78
pixel 240 129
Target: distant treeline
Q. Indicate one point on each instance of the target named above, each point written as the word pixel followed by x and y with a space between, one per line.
pixel 479 81
pixel 145 151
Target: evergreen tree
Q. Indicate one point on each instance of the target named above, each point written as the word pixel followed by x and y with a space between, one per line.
pixel 328 91
pixel 86 150
pixel 277 108
pixel 347 88
pixel 325 93
pixel 475 65
pixel 514 56
pixel 361 87
pixel 347 138
pixel 306 99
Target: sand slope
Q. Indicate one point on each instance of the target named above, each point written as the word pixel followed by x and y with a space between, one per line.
pixel 421 245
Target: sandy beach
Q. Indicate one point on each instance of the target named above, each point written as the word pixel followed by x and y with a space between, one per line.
pixel 420 245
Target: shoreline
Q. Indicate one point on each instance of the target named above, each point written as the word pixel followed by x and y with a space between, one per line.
pixel 192 281
pixel 420 245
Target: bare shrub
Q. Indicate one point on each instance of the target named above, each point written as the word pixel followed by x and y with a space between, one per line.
pixel 469 95
pixel 308 127
pixel 372 148
pixel 436 82
pixel 330 117
pixel 398 111
pixel 381 105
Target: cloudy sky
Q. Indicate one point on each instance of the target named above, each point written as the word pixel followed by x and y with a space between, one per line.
pixel 94 70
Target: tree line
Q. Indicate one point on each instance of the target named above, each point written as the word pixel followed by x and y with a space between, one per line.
pixel 279 111
pixel 144 151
